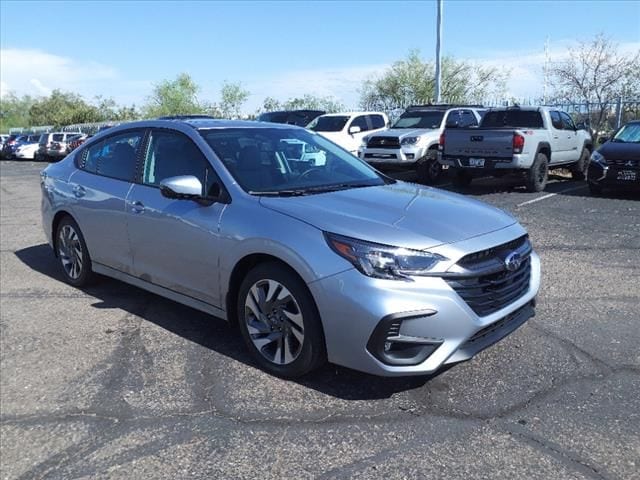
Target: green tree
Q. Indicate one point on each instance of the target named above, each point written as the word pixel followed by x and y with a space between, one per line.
pixel 232 97
pixel 62 108
pixel 412 81
pixel 174 97
pixel 14 111
pixel 307 101
pixel 598 73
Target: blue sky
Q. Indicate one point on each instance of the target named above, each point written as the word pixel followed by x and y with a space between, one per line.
pixel 283 49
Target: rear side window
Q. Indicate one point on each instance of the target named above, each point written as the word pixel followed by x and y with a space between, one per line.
pixel 512 118
pixel 567 122
pixel 57 137
pixel 377 121
pixel 114 157
pixel 172 154
pixel 556 121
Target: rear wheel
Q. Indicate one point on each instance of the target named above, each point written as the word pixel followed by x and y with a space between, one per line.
pixel 538 174
pixel 279 321
pixel 429 170
pixel 72 253
pixel 579 169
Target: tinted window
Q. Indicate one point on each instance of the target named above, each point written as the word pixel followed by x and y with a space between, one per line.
pixel 360 121
pixel 567 122
pixel 556 121
pixel 57 137
pixel 512 118
pixel 377 121
pixel 171 154
pixel 114 157
pixel 334 123
pixel 417 119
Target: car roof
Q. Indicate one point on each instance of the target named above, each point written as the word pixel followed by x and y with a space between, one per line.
pixel 350 114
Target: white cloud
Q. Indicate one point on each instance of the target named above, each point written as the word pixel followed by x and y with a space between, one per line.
pixel 36 72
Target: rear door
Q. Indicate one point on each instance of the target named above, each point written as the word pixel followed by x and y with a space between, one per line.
pixel 106 173
pixel 175 243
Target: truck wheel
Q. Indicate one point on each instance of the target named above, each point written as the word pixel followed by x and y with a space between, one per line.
pixel 538 173
pixel 429 169
pixel 462 179
pixel 579 169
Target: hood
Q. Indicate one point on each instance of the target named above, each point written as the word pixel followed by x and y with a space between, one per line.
pixel 407 132
pixel 400 214
pixel 620 151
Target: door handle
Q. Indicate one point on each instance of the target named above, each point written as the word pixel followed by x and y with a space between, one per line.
pixel 137 207
pixel 79 191
pixel 556 137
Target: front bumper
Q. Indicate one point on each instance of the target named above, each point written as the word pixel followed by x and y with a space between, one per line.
pixel 403 157
pixel 614 175
pixel 353 307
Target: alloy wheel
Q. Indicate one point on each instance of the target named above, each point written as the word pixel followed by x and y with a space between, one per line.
pixel 70 252
pixel 274 321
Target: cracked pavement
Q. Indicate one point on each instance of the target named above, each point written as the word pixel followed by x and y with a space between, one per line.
pixel 115 382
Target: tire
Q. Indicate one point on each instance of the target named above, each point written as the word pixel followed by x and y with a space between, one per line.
pixel 595 189
pixel 429 170
pixel 72 252
pixel 538 174
pixel 462 179
pixel 579 170
pixel 284 336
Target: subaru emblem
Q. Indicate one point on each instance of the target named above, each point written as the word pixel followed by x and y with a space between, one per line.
pixel 513 261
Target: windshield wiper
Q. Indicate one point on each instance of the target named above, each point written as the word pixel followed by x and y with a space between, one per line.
pixel 336 187
pixel 278 193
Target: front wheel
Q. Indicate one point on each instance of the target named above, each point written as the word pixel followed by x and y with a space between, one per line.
pixel 72 253
pixel 579 169
pixel 279 321
pixel 538 174
pixel 429 170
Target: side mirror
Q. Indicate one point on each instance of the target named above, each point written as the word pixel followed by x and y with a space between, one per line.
pixel 184 187
pixel 354 129
pixel 602 140
pixel 581 126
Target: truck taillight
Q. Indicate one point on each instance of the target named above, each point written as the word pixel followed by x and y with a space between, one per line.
pixel 518 143
pixel 441 142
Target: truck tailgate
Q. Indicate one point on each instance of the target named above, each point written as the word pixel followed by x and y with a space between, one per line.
pixel 489 143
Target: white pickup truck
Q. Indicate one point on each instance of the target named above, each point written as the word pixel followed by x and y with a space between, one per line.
pixel 412 141
pixel 526 140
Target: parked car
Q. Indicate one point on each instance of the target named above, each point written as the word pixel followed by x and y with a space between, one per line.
pixel 527 141
pixel 27 150
pixel 617 162
pixel 412 141
pixel 348 129
pixel 300 118
pixel 336 262
pixel 3 138
pixel 53 146
pixel 75 141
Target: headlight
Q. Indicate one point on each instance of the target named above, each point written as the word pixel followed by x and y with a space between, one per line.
pixel 598 158
pixel 410 140
pixel 383 261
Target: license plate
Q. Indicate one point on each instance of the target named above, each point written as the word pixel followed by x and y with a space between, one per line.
pixel 476 162
pixel 627 175
pixel 383 155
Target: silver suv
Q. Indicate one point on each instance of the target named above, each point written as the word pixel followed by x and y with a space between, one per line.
pixel 316 262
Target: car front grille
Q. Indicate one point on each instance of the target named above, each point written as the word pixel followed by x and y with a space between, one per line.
pixel 624 163
pixel 485 283
pixel 383 142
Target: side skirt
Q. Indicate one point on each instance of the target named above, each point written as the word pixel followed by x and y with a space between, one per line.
pixel 158 290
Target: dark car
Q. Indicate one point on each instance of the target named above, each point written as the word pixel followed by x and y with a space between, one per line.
pixel 301 118
pixel 617 162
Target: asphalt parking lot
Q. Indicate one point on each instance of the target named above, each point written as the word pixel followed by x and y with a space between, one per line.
pixel 114 382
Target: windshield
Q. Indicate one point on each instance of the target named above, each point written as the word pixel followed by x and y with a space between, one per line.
pixel 284 161
pixel 430 120
pixel 512 118
pixel 334 123
pixel 630 133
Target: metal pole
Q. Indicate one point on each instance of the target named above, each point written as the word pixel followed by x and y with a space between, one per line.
pixel 438 45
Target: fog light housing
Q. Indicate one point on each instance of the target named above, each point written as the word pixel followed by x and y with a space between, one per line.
pixel 410 156
pixel 392 348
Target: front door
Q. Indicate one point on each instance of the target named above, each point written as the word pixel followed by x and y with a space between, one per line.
pixel 175 243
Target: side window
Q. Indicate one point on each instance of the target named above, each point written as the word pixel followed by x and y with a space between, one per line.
pixel 360 121
pixel 115 156
pixel 555 120
pixel 377 121
pixel 171 154
pixel 567 122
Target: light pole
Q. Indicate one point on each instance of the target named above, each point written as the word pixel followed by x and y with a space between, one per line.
pixel 438 45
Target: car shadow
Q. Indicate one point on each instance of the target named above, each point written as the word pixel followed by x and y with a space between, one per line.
pixel 216 334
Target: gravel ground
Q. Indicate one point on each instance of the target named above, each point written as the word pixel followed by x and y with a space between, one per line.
pixel 114 382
